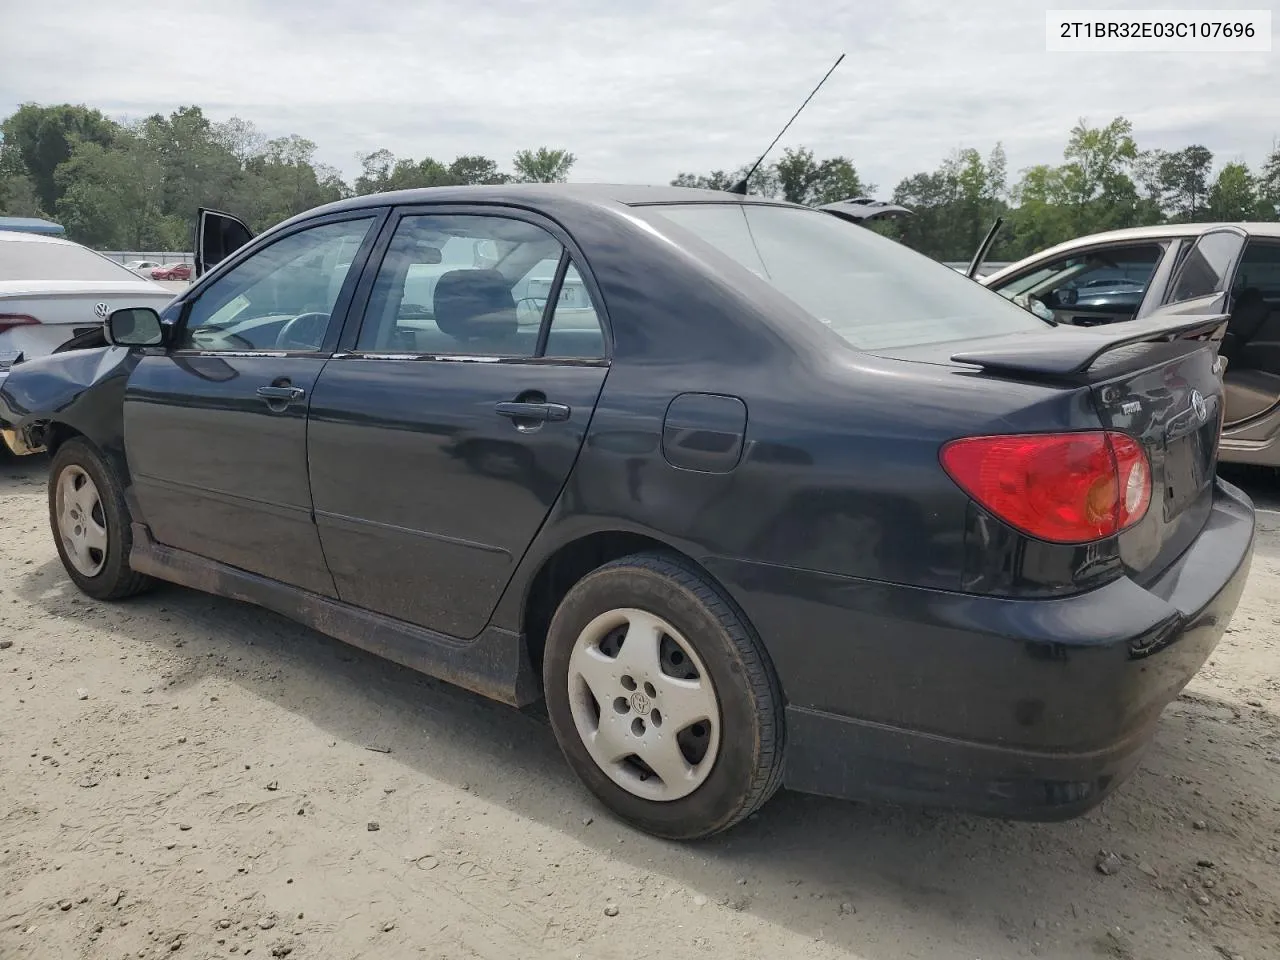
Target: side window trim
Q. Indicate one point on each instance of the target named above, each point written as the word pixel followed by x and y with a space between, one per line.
pixel 346 347
pixel 341 307
pixel 553 299
pixel 1160 282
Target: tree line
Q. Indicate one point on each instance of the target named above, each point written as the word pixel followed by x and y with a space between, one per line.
pixel 1104 182
pixel 137 185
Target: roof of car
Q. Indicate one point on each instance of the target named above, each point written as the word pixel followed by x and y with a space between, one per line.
pixel 589 194
pixel 1255 228
pixel 1126 234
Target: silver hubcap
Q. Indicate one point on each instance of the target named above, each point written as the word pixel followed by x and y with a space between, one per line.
pixel 644 705
pixel 81 523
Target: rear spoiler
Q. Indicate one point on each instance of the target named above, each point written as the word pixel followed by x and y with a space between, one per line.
pixel 1065 351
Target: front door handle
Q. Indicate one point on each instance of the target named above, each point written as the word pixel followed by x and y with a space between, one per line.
pixel 281 393
pixel 517 410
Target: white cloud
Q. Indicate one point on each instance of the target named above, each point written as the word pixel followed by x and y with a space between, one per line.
pixel 639 91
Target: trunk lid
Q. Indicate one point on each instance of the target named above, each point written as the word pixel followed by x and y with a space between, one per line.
pixel 1174 406
pixel 1159 381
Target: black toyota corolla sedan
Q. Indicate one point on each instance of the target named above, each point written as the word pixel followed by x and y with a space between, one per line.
pixel 749 495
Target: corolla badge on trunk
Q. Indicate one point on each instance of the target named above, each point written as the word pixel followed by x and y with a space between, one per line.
pixel 100 311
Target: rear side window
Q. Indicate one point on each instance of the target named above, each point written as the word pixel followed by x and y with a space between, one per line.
pixel 475 285
pixel 873 292
pixel 1207 268
pixel 42 260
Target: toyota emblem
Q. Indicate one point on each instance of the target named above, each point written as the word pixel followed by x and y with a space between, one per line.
pixel 100 311
pixel 1199 406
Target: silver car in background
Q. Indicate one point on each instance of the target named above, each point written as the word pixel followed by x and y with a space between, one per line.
pixel 52 290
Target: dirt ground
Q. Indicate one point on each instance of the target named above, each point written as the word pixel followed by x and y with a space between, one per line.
pixel 185 774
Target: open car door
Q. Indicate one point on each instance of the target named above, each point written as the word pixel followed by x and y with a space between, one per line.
pixel 218 235
pixel 980 255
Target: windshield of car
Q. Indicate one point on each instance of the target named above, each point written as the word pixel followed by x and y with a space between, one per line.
pixel 873 292
pixel 44 260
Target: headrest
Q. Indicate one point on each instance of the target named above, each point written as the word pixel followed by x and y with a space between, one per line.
pixel 475 305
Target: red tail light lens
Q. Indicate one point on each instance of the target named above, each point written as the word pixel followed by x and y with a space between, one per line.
pixel 1060 487
pixel 10 320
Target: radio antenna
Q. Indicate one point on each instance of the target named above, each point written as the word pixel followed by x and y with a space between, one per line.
pixel 741 186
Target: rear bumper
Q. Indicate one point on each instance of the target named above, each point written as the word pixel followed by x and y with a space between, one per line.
pixel 1032 709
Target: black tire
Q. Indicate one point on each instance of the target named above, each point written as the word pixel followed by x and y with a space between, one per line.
pixel 116 580
pixel 748 768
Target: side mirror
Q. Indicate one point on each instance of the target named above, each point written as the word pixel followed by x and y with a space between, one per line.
pixel 134 327
pixel 1067 296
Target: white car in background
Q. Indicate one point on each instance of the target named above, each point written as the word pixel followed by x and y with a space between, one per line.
pixel 52 290
pixel 142 267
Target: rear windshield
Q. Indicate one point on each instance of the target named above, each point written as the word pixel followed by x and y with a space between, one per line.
pixel 38 260
pixel 873 292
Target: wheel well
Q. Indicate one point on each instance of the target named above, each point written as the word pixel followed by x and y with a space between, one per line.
pixel 567 566
pixel 55 434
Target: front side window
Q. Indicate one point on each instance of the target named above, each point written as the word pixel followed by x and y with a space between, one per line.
pixel 474 285
pixel 1207 268
pixel 873 292
pixel 1110 280
pixel 281 297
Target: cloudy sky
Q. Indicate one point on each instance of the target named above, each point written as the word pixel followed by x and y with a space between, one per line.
pixel 638 89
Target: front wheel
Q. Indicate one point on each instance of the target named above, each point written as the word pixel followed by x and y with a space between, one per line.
pixel 662 698
pixel 90 523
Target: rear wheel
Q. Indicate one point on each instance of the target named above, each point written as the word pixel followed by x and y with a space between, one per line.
pixel 663 699
pixel 90 523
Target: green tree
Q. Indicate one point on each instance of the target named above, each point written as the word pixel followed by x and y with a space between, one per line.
pixel 715 180
pixel 283 181
pixel 1269 187
pixel 543 165
pixel 1183 178
pixel 473 168
pixel 199 168
pixel 17 192
pixel 382 171
pixel 802 179
pixel 952 206
pixel 1041 216
pixel 112 196
pixel 44 137
pixel 1234 194
pixel 1095 180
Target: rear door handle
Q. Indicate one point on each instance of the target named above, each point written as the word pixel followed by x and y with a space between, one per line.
pixel 517 410
pixel 281 393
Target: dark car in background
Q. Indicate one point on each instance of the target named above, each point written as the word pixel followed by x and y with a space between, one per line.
pixel 769 499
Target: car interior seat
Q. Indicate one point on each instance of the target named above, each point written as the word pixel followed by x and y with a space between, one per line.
pixel 1252 387
pixel 476 308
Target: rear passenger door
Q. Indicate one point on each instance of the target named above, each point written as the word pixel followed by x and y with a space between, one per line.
pixel 442 433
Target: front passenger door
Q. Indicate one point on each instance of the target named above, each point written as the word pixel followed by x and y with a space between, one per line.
pixel 216 426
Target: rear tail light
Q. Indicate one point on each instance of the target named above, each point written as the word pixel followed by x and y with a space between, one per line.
pixel 1060 487
pixel 10 320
